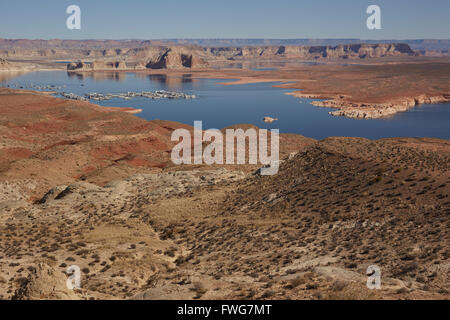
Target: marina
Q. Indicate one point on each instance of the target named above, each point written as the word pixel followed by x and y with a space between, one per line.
pixel 158 94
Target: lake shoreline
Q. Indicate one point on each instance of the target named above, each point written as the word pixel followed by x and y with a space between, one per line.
pixel 220 103
pixel 354 105
pixel 335 84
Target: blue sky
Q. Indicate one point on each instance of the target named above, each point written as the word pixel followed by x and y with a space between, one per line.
pixel 150 19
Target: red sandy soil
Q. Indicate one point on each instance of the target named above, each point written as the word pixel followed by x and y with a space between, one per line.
pixel 54 140
pixel 59 141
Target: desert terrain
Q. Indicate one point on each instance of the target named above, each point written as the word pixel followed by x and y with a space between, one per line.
pixel 95 187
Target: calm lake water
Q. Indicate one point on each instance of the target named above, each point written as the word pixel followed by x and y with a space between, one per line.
pixel 219 106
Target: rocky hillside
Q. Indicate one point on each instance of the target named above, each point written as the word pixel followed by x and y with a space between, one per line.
pixel 309 232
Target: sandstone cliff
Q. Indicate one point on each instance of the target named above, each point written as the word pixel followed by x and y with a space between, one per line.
pixel 179 57
pixel 182 56
pixel 354 51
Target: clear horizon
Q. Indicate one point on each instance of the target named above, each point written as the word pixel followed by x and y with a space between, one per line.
pixel 202 19
pixel 168 39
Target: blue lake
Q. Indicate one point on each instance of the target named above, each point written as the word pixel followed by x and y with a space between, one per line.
pixel 220 106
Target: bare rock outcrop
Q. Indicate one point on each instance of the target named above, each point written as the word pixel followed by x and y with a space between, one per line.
pixel 361 110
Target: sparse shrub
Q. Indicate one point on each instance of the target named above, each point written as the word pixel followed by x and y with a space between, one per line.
pixel 199 289
pixel 338 286
pixel 402 290
pixel 311 286
pixel 268 294
pixel 294 283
